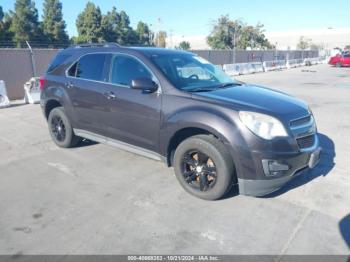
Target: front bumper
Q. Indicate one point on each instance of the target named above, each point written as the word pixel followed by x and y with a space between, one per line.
pixel 266 182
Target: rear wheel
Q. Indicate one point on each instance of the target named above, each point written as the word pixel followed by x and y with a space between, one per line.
pixel 203 167
pixel 60 129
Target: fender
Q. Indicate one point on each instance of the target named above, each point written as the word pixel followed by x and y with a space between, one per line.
pixel 60 95
pixel 219 123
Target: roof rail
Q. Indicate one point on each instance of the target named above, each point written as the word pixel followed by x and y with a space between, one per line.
pixel 94 45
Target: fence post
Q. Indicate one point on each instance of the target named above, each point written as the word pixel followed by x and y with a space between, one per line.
pixel 32 59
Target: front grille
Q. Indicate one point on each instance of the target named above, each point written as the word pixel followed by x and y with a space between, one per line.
pixel 301 121
pixel 306 142
pixel 304 130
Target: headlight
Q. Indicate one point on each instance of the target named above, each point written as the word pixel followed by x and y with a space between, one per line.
pixel 262 125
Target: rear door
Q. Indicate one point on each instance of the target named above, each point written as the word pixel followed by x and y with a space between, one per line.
pixel 87 91
pixel 133 116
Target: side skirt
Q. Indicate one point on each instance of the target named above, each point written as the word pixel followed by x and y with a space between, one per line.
pixel 119 144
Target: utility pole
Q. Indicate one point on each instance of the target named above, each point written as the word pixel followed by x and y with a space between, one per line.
pixel 150 35
pixel 234 46
pixel 171 38
pixel 159 28
pixel 229 31
pixel 276 52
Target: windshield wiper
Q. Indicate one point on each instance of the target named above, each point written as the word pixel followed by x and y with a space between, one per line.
pixel 201 89
pixel 212 88
pixel 224 85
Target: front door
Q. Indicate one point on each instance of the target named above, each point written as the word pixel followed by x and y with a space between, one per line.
pixel 133 116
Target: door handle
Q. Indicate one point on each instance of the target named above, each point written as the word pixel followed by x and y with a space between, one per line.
pixel 110 95
pixel 69 85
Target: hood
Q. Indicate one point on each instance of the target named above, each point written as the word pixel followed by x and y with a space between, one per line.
pixel 259 99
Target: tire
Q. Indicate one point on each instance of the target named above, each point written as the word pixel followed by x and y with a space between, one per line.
pixel 218 159
pixel 338 64
pixel 60 129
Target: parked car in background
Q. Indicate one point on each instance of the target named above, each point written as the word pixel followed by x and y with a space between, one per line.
pixel 177 107
pixel 340 60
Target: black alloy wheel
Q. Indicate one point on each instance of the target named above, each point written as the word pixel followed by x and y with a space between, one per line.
pixel 199 170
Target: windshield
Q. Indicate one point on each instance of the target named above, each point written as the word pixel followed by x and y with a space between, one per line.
pixel 191 73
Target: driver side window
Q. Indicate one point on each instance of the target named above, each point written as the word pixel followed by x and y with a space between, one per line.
pixel 125 68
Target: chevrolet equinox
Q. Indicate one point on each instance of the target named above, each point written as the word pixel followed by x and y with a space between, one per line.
pixel 177 107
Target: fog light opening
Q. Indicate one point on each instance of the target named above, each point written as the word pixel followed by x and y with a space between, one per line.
pixel 273 167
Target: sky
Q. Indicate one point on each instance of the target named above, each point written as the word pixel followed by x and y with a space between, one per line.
pixel 195 17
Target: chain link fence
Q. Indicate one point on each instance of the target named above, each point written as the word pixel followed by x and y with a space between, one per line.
pixel 222 57
pixel 18 65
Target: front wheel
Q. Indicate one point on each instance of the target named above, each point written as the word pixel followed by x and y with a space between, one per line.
pixel 203 167
pixel 338 64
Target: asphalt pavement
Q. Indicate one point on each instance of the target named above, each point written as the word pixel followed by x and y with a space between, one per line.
pixel 95 199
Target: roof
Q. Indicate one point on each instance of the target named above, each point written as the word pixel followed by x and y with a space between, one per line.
pixel 157 50
pixel 148 51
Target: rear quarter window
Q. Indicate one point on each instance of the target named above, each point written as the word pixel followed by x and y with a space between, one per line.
pixel 57 61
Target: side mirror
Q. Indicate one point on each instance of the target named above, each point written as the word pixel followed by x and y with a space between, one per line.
pixel 145 84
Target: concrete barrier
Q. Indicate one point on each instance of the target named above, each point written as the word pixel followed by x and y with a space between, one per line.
pixel 312 61
pixel 243 68
pixel 4 100
pixel 231 69
pixel 274 65
pixel 256 67
pixel 32 91
pixel 293 63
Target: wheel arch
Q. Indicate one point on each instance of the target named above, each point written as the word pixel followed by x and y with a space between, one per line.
pixel 56 95
pixel 188 131
pixel 50 105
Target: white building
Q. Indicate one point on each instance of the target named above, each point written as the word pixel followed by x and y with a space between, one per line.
pixel 329 38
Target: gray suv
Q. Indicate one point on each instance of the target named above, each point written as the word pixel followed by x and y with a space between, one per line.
pixel 176 107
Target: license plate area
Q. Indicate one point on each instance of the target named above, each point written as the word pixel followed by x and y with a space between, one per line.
pixel 314 158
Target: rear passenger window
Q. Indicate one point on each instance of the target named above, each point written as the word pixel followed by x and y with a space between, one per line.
pixel 91 67
pixel 125 68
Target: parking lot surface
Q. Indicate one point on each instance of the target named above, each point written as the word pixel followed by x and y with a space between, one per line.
pixel 95 199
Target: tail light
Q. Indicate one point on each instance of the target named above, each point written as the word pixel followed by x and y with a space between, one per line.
pixel 42 83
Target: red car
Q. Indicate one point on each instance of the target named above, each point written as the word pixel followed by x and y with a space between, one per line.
pixel 340 60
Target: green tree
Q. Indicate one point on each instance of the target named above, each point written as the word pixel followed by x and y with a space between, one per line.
pixel 6 36
pixel 227 34
pixel 1 13
pixel 144 34
pixel 128 34
pixel 314 46
pixel 110 26
pixel 160 39
pixel 89 24
pixel 304 43
pixel 25 25
pixel 115 27
pixel 253 37
pixel 184 45
pixel 53 25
